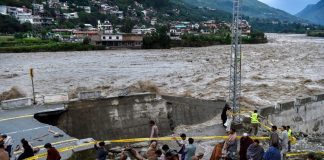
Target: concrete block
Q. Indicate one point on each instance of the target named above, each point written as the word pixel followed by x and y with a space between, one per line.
pixel 16 103
pixel 286 105
pixel 267 111
pixel 89 95
pixel 319 97
pixel 303 100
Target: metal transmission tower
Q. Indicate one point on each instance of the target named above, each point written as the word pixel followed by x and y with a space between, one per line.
pixel 235 67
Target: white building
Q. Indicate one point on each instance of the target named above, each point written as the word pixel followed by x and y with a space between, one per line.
pixel 3 10
pixel 25 17
pixel 72 15
pixel 87 9
pixel 153 21
pixel 39 8
pixel 106 27
pixel 143 30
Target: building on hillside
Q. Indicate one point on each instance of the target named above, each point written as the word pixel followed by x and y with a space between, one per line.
pixel 3 10
pixel 38 20
pixel 89 27
pixel 153 21
pixel 245 27
pixel 143 30
pixel 87 9
pixel 118 40
pixel 83 34
pixel 24 17
pixel 38 9
pixel 72 15
pixel 64 6
pixel 118 14
pixel 106 27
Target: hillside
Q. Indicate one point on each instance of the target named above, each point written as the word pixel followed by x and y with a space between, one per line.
pixel 313 13
pixel 251 8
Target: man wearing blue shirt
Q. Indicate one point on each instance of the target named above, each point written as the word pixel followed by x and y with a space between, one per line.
pixel 190 149
pixel 272 153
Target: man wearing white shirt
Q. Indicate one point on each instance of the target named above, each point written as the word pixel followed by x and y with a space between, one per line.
pixel 8 142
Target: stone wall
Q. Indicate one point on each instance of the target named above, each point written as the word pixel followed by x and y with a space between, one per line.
pixel 16 103
pixel 305 114
pixel 128 117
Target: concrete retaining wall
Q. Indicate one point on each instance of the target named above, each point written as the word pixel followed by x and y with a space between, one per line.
pixel 128 117
pixel 305 114
pixel 89 95
pixel 16 103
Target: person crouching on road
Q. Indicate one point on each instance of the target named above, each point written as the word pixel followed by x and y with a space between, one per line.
pixel 52 153
pixel 101 151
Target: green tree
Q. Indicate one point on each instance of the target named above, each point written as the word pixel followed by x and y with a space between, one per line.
pixel 127 26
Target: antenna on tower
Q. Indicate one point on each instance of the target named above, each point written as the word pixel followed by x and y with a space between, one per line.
pixel 34 2
pixel 235 64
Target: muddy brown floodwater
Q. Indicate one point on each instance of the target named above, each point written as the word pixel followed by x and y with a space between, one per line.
pixel 287 67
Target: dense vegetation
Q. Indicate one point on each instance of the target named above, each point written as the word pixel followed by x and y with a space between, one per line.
pixel 160 40
pixel 275 26
pixel 10 25
pixel 315 33
pixel 157 40
pixel 11 44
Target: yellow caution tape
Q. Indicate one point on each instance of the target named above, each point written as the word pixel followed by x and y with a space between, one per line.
pixel 132 140
pixel 55 143
pixel 294 154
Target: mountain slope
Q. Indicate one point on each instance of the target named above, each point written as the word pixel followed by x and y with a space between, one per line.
pixel 313 13
pixel 251 8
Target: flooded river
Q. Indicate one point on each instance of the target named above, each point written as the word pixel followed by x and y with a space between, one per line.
pixel 286 67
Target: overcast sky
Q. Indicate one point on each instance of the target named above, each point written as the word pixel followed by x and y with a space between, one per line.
pixel 290 6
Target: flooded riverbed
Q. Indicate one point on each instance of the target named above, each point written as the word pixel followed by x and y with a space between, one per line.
pixel 287 67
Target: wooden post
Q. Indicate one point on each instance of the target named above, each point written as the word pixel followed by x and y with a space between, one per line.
pixel 31 73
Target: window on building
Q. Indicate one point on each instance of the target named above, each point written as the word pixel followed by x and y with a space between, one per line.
pixel 109 37
pixel 117 37
pixel 103 37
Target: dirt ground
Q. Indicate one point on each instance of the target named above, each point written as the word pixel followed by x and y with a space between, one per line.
pixel 283 69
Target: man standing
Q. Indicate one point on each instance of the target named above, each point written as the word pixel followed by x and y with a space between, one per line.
pixel 289 138
pixel 101 151
pixel 255 151
pixel 274 137
pixel 52 153
pixel 190 149
pixel 255 122
pixel 3 153
pixel 284 142
pixel 245 142
pixel 182 145
pixel 8 142
pixel 154 130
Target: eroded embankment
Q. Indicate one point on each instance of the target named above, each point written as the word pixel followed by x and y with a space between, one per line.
pixel 128 117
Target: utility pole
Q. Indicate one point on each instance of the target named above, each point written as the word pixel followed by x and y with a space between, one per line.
pixel 31 73
pixel 235 64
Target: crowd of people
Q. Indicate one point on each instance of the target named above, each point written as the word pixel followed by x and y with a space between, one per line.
pixel 6 149
pixel 232 148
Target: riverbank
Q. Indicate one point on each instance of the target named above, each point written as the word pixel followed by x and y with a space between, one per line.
pixel 9 44
pixel 316 33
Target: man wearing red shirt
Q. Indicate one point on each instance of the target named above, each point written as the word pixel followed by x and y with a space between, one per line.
pixel 52 153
